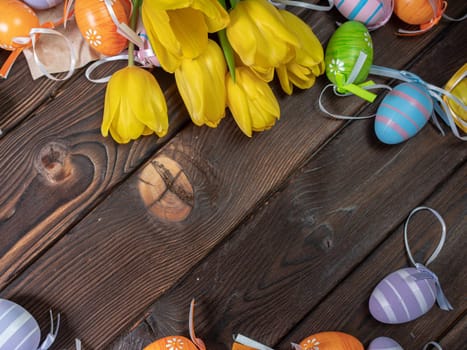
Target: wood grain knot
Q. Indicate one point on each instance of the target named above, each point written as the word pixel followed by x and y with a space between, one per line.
pixel 53 162
pixel 165 190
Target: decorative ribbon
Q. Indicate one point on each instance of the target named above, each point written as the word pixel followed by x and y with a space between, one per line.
pixel 197 341
pixel 25 42
pixel 433 343
pixel 302 4
pixel 48 341
pixel 122 28
pixel 241 339
pixel 436 93
pixel 144 56
pixel 423 271
pixel 347 87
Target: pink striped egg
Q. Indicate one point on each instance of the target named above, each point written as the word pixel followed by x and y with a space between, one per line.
pixel 18 329
pixel 372 13
pixel 384 343
pixel 400 297
pixel 403 112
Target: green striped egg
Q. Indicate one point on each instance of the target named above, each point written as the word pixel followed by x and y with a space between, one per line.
pixel 344 48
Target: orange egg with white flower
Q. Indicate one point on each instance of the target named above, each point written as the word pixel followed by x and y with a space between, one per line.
pixel 330 341
pixel 16 23
pixel 174 343
pixel 95 23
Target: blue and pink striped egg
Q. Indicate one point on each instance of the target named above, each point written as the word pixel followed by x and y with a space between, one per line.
pixel 400 297
pixel 372 13
pixel 403 112
pixel 18 329
pixel 384 343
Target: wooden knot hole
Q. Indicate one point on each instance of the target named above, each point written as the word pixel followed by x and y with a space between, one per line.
pixel 165 190
pixel 53 162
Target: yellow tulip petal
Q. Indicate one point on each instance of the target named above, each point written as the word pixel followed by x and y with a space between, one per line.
pixel 190 30
pixel 215 15
pixel 237 102
pixel 286 85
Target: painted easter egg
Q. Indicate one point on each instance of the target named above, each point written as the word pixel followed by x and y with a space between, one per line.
pixel 96 25
pixel 348 43
pixel 372 13
pixel 16 23
pixel 457 86
pixel 42 4
pixel 384 343
pixel 400 297
pixel 416 11
pixel 331 341
pixel 175 342
pixel 402 113
pixel 18 328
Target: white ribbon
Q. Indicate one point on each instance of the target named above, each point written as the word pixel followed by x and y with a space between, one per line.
pixel 48 341
pixel 241 339
pixel 122 28
pixel 42 68
pixel 423 271
pixel 433 343
pixel 304 4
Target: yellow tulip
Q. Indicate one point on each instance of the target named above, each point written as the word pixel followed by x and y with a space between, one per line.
pixel 251 101
pixel 201 83
pixel 134 106
pixel 259 35
pixel 178 29
pixel 309 56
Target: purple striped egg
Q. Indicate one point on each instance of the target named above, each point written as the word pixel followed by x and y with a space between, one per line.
pixel 400 297
pixel 384 343
pixel 372 13
pixel 42 4
pixel 402 113
pixel 18 329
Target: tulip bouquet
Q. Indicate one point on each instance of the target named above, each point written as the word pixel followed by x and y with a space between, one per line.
pixel 229 69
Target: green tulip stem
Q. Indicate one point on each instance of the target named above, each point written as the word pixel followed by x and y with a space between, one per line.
pixel 234 3
pixel 228 52
pixel 133 22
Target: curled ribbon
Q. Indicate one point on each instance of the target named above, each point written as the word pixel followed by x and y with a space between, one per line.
pixel 436 93
pixel 433 343
pixel 48 341
pixel 144 56
pixel 248 343
pixel 302 4
pixel 424 272
pixel 22 43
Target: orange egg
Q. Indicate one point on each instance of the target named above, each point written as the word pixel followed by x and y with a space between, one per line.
pixel 16 21
pixel 416 11
pixel 175 343
pixel 97 27
pixel 331 341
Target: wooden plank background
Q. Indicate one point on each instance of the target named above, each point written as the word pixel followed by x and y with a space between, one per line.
pixel 287 232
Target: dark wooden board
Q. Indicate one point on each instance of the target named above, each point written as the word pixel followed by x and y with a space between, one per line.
pixel 19 94
pixel 108 266
pixel 56 167
pixel 221 281
pixel 346 308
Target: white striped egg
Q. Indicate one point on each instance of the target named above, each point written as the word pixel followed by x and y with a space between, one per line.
pixel 18 328
pixel 401 297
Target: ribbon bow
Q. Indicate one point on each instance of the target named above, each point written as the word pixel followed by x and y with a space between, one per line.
pixel 426 274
